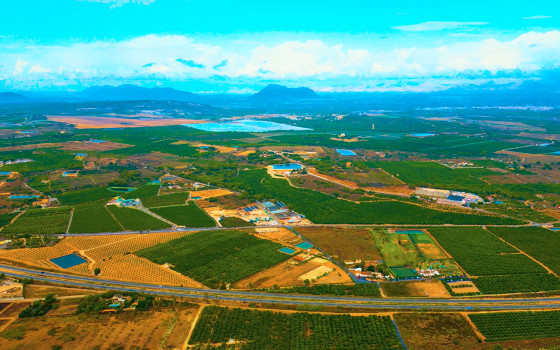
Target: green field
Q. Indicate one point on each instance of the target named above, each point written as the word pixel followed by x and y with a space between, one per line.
pixel 397 250
pixel 517 325
pixel 481 253
pixel 538 242
pixel 325 209
pixel 216 257
pixel 148 190
pixel 136 220
pixel 93 218
pixel 274 330
pixel 189 215
pixel 41 221
pixel 165 200
pixel 86 195
pixel 525 283
pixel 235 222
pixel 362 290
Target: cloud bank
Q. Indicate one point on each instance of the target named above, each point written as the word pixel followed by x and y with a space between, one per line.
pixel 327 66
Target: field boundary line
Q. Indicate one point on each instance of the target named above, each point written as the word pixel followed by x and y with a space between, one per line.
pixel 70 220
pixel 473 326
pixel 195 321
pixel 522 252
pixel 114 218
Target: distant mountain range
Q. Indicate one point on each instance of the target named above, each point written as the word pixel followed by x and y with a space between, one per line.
pixel 134 92
pixel 11 97
pixel 279 92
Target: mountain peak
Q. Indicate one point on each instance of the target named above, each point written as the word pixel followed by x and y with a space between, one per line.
pixel 280 92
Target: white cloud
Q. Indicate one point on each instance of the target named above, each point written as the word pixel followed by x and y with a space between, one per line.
pixel 39 69
pixel 158 58
pixel 119 3
pixel 433 26
pixel 537 17
pixel 19 66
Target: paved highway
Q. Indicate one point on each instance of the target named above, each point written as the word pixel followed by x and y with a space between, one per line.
pixel 246 296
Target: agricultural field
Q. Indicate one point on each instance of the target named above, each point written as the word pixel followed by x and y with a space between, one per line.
pixel 189 215
pixel 231 221
pixel 480 253
pixel 85 196
pixel 438 331
pixel 396 249
pixel 343 243
pixel 499 326
pixel 216 257
pixel 145 191
pixel 136 220
pixel 41 221
pixel 165 327
pixel 538 242
pixel 266 329
pixel 361 290
pixel 165 200
pixel 290 274
pixel 92 218
pixel 322 208
pixel 499 267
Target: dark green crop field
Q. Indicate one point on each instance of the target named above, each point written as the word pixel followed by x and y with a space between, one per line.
pixel 185 215
pixel 91 218
pixel 42 221
pixel 501 326
pixel 274 330
pixel 538 242
pixel 324 209
pixel 216 257
pixel 136 220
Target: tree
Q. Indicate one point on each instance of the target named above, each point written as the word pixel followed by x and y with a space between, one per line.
pixel 97 271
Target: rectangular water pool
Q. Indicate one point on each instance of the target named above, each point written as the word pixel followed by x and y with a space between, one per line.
pixel 68 261
pixel 291 166
pixel 287 250
pixel 409 232
pixel 247 125
pixel 304 245
pixel 346 152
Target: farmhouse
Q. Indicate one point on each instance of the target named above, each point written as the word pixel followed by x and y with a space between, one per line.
pixel 121 202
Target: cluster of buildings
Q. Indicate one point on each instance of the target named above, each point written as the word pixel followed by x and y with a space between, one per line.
pixel 121 202
pixel 448 197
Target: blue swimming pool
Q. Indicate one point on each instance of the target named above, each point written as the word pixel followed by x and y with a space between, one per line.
pixel 304 245
pixel 68 261
pixel 287 250
pixel 247 125
pixel 422 134
pixel 291 166
pixel 346 152
pixel 23 196
pixel 409 232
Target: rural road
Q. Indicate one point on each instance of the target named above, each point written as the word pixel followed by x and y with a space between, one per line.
pixel 290 299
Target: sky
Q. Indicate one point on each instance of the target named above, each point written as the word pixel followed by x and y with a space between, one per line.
pixel 210 46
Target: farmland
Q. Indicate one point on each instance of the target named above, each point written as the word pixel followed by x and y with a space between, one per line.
pixel 214 257
pixel 46 221
pixel 322 208
pixel 165 200
pixel 147 329
pixel 480 253
pixel 266 329
pixel 517 325
pixel 540 243
pixel 136 220
pixel 189 215
pixel 93 218
pixel 343 243
pixel 500 267
pixel 439 331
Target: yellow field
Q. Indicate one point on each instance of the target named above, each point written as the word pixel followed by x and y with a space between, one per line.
pixel 113 254
pixel 203 194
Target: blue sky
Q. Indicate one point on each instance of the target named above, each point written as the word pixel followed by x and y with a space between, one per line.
pixel 240 46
